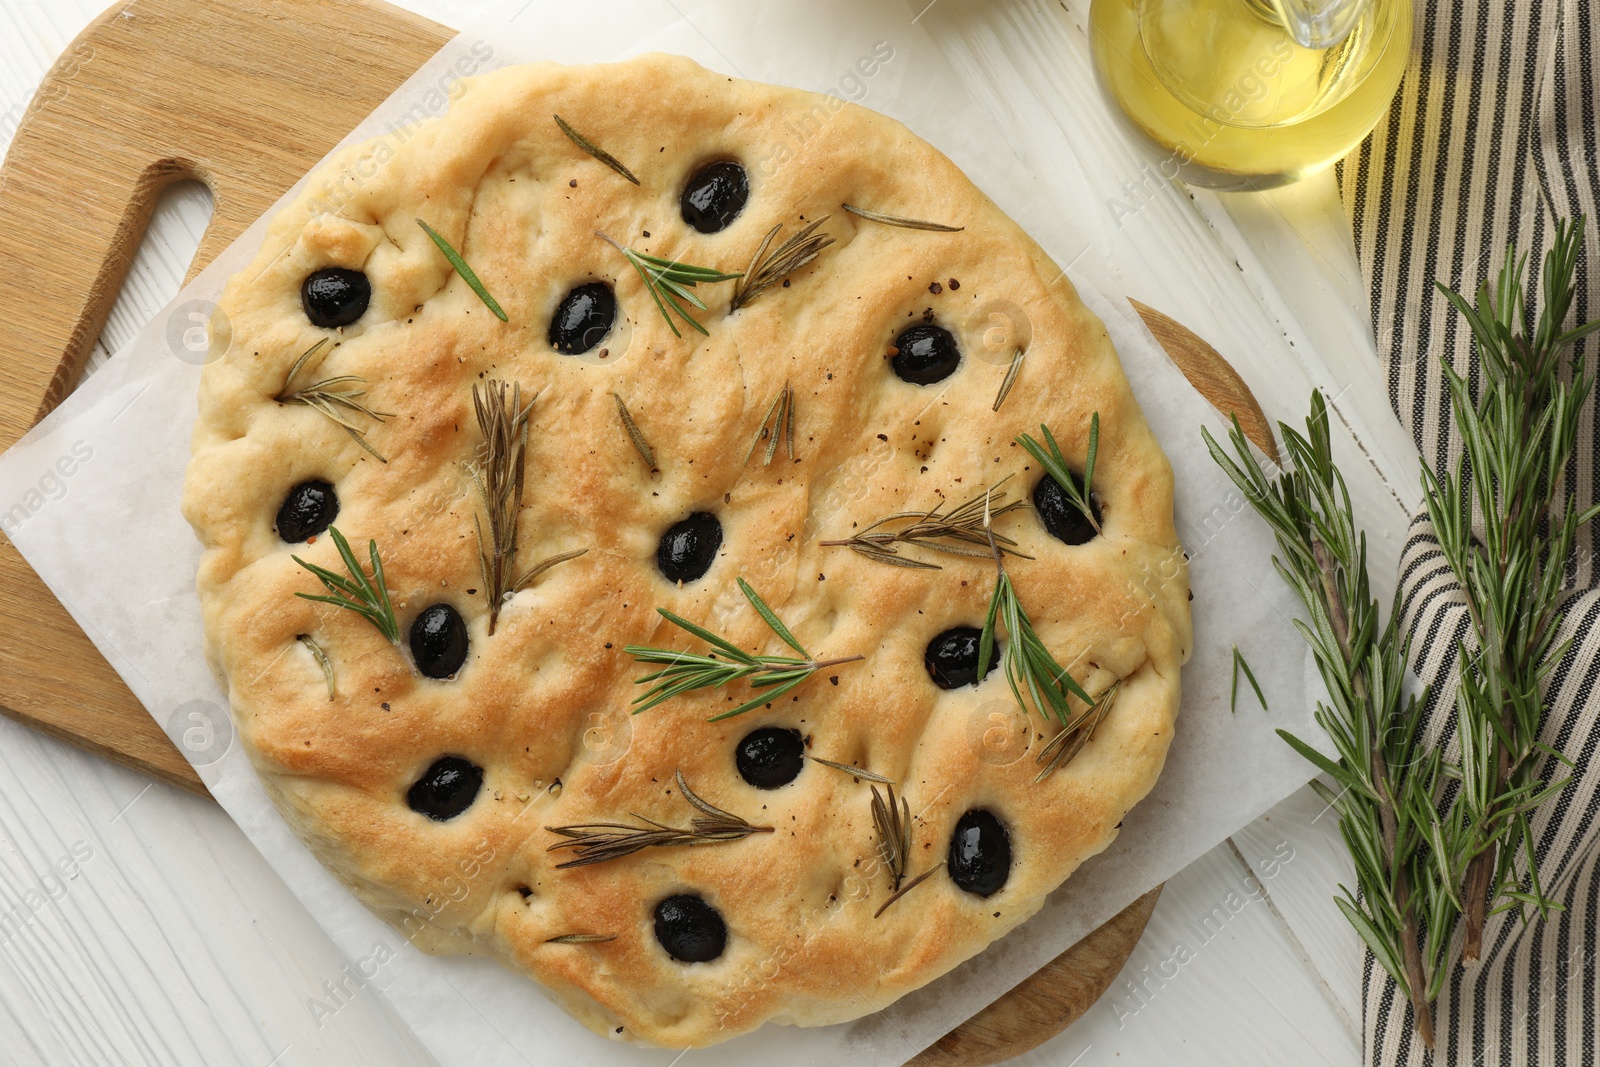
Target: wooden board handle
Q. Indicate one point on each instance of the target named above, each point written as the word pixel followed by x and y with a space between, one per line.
pixel 243 97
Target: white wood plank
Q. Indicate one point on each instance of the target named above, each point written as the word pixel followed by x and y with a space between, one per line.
pixel 1303 894
pixel 1214 981
pixel 138 925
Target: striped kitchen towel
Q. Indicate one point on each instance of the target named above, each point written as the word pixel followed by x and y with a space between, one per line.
pixel 1491 138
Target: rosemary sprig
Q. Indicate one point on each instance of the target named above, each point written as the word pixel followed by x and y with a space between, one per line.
pixel 322 661
pixel 580 939
pixel 857 772
pixel 595 150
pixel 1010 379
pixel 957 532
pixel 777 423
pixel 894 828
pixel 896 220
pixel 503 420
pixel 1406 856
pixel 331 398
pixel 466 272
pixel 1240 665
pixel 1519 427
pixel 1028 663
pixel 364 594
pixel 669 281
pixel 640 445
pixel 1066 744
pixel 894 833
pixel 765 270
pixel 685 671
pixel 599 842
pixel 1056 466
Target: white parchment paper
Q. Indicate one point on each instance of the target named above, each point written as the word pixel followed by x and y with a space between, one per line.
pixel 91 497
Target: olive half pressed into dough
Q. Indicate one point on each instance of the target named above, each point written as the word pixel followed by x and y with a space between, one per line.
pixel 714 195
pixel 307 510
pixel 980 853
pixel 925 354
pixel 446 789
pixel 335 296
pixel 691 930
pixel 583 319
pixel 688 548
pixel 438 641
pixel 952 657
pixel 770 757
pixel 1060 515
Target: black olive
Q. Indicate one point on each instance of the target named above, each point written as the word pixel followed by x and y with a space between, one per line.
pixel 1060 515
pixel 980 853
pixel 439 641
pixel 925 354
pixel 690 929
pixel 952 657
pixel 309 509
pixel 334 296
pixel 583 318
pixel 715 195
pixel 689 546
pixel 446 789
pixel 770 757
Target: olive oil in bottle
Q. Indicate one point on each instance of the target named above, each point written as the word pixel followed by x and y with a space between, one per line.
pixel 1250 94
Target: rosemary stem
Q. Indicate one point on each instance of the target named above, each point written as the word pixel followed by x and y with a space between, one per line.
pixel 1410 931
pixel 817 665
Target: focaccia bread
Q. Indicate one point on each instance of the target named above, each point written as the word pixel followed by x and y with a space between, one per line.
pixel 434 745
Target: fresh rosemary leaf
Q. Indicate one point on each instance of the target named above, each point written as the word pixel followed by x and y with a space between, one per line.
pixel 896 220
pixel 685 671
pixel 322 661
pixel 331 398
pixel 893 825
pixel 961 531
pixel 765 270
pixel 1056 466
pixel 543 565
pixel 1070 740
pixel 465 271
pixel 367 596
pixel 669 282
pixel 1010 379
pixel 503 420
pixel 1238 665
pixel 1028 663
pixel 595 150
pixel 778 422
pixel 581 939
pixel 593 843
pixel 858 772
pixel 640 445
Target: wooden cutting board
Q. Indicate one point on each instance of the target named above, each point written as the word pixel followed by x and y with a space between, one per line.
pixel 246 98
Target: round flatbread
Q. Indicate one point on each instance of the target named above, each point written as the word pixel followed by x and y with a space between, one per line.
pixel 704 462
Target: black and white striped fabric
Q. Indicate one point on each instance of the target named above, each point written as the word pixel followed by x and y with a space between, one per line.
pixel 1492 137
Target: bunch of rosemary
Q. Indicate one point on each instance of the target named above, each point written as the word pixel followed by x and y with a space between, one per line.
pixel 1436 843
pixel 1518 436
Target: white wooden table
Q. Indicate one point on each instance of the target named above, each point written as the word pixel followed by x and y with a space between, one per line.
pixel 169 941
